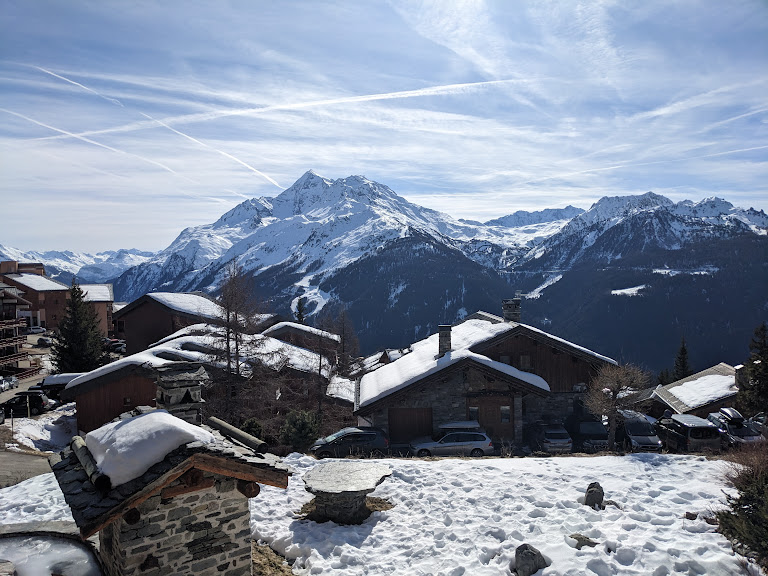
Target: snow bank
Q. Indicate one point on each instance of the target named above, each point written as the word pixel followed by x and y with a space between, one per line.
pixel 126 449
pixel 51 431
pixel 704 390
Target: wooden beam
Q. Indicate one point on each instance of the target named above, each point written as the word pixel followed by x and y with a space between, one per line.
pixel 99 480
pixel 180 489
pixel 248 489
pixel 241 470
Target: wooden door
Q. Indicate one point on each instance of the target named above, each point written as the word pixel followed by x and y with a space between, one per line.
pixel 495 414
pixel 406 424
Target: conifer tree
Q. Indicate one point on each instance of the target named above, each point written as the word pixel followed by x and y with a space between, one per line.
pixel 753 394
pixel 301 311
pixel 79 346
pixel 682 367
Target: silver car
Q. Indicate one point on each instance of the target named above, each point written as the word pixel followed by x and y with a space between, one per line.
pixel 455 444
pixel 553 439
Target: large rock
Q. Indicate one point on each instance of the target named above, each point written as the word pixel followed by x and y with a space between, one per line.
pixel 594 496
pixel 528 560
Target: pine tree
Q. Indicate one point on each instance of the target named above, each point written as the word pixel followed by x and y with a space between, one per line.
pixel 682 367
pixel 79 346
pixel 753 395
pixel 664 378
pixel 301 311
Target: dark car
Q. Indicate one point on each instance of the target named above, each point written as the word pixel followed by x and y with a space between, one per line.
pixel 352 442
pixel 588 434
pixel 636 434
pixel 24 403
pixel 687 433
pixel 455 444
pixel 551 438
pixel 735 431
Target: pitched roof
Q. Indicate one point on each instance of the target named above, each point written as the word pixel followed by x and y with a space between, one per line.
pixel 296 327
pixel 97 292
pixel 202 343
pixel 93 509
pixel 37 283
pixel 705 387
pixel 423 361
pixel 190 304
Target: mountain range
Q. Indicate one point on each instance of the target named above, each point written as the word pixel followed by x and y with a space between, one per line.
pixel 629 277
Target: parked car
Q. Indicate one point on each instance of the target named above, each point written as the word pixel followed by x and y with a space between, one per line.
pixel 735 431
pixel 8 383
pixel 35 330
pixel 44 341
pixel 587 434
pixel 352 441
pixel 455 444
pixel 687 433
pixel 551 438
pixel 38 403
pixel 636 434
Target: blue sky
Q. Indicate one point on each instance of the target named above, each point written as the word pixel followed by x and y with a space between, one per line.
pixel 121 123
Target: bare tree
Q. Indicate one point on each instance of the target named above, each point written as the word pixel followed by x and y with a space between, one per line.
pixel 614 388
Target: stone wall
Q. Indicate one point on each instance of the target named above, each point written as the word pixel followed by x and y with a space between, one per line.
pixel 203 533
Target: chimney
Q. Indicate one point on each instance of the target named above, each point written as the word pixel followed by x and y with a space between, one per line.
pixel 510 308
pixel 444 344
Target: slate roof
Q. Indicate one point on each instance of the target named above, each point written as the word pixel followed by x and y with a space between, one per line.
pixel 666 394
pixel 93 510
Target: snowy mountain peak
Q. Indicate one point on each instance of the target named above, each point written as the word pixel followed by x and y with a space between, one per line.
pixel 523 218
pixel 612 207
pixel 250 211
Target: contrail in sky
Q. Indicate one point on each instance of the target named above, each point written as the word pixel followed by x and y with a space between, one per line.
pixel 160 122
pixel 99 144
pixel 206 116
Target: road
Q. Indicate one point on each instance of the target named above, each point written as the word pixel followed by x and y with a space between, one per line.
pixel 16 467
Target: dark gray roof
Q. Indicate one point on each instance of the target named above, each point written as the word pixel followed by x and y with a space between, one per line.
pixel 665 395
pixel 92 509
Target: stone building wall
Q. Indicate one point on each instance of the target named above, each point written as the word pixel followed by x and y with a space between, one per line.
pixel 203 533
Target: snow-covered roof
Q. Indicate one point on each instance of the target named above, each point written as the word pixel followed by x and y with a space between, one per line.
pixel 188 303
pixel 204 343
pixel 118 306
pixel 37 283
pixel 97 292
pixel 705 387
pixel 280 326
pixel 125 449
pixel 341 388
pixel 423 361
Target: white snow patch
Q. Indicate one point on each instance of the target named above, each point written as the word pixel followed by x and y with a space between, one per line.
pixel 126 449
pixel 37 499
pixel 50 432
pixel 704 390
pixel 634 291
pixel 534 294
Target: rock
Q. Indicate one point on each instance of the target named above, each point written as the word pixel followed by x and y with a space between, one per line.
pixel 528 560
pixel 582 541
pixel 7 568
pixel 691 515
pixel 594 496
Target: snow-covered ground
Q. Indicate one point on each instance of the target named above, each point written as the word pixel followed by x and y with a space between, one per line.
pixel 49 432
pixel 467 516
pixel 462 516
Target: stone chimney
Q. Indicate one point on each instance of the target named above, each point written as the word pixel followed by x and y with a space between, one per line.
pixel 444 344
pixel 179 390
pixel 510 308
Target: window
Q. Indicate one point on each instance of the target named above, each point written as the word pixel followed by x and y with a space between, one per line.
pixel 525 362
pixel 121 325
pixel 506 414
pixel 473 413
